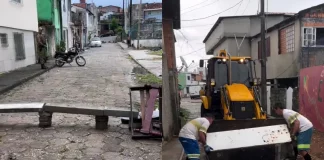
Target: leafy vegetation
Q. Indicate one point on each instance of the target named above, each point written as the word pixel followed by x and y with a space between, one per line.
pixel 184 116
pixel 119 30
pixel 60 47
pixel 157 53
pixel 114 24
pixel 149 79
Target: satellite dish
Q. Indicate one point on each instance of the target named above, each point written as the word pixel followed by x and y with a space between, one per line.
pixel 184 62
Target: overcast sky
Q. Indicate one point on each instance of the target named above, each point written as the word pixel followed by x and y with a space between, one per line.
pixel 114 2
pixel 196 31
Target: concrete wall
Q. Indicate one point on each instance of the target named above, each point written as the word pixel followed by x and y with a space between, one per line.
pixel 230 46
pixel 311 95
pixel 20 16
pixel 245 48
pixel 236 26
pixel 239 27
pixel 148 43
pixel 223 46
pixel 282 65
pixel 214 37
pixel 8 60
pixel 270 21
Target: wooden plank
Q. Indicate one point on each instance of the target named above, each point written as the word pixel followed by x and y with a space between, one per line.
pixel 259 136
pixel 146 125
pixel 64 108
pixel 21 107
pixel 142 97
pixel 89 110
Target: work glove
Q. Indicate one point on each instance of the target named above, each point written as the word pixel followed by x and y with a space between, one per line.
pixel 208 148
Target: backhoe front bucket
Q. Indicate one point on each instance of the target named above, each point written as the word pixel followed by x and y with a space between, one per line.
pixel 249 139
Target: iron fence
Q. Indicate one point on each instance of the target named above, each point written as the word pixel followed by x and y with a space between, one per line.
pixel 147 31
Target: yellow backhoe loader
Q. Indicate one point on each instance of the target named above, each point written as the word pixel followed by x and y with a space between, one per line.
pixel 242 130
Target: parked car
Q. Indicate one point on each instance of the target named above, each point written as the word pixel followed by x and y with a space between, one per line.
pixel 106 35
pixel 95 42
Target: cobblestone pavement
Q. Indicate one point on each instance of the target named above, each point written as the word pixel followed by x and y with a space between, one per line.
pixel 103 81
pixel 192 105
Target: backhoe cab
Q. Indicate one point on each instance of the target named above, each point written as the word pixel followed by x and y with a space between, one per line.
pixel 241 129
pixel 232 90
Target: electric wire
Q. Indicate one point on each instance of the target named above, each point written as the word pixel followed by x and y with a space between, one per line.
pixel 191 52
pixel 238 7
pixel 213 14
pixel 246 7
pixel 195 5
pixel 200 7
pixel 188 42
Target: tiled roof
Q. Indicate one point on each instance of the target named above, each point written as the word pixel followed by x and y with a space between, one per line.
pixel 81 5
pixel 152 5
pixel 149 5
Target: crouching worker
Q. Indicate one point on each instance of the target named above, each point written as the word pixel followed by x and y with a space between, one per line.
pixel 301 128
pixel 195 131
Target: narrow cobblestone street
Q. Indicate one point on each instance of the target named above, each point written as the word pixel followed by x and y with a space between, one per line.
pixel 104 81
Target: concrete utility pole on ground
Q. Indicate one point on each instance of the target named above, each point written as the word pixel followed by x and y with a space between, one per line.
pixel 139 23
pixel 263 60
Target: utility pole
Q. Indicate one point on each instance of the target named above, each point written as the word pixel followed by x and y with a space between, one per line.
pixel 139 23
pixel 130 22
pixel 263 60
pixel 121 37
pixel 171 105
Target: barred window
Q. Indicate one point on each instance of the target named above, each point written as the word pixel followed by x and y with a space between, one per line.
pixel 19 46
pixel 17 1
pixel 4 39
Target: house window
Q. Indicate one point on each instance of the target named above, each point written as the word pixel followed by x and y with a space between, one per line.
pixel 313 37
pixel 287 40
pixel 19 46
pixel 17 1
pixel 188 77
pixel 4 39
pixel 267 48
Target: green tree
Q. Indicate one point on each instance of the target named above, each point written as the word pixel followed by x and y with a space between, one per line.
pixel 113 24
pixel 119 30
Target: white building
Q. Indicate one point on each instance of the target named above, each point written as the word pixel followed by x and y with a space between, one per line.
pixel 17 43
pixel 105 16
pixel 66 19
pixel 92 21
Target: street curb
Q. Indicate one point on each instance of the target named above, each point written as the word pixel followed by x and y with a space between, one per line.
pixel 22 81
pixel 137 62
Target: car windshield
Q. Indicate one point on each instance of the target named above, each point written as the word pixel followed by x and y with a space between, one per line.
pixel 95 39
